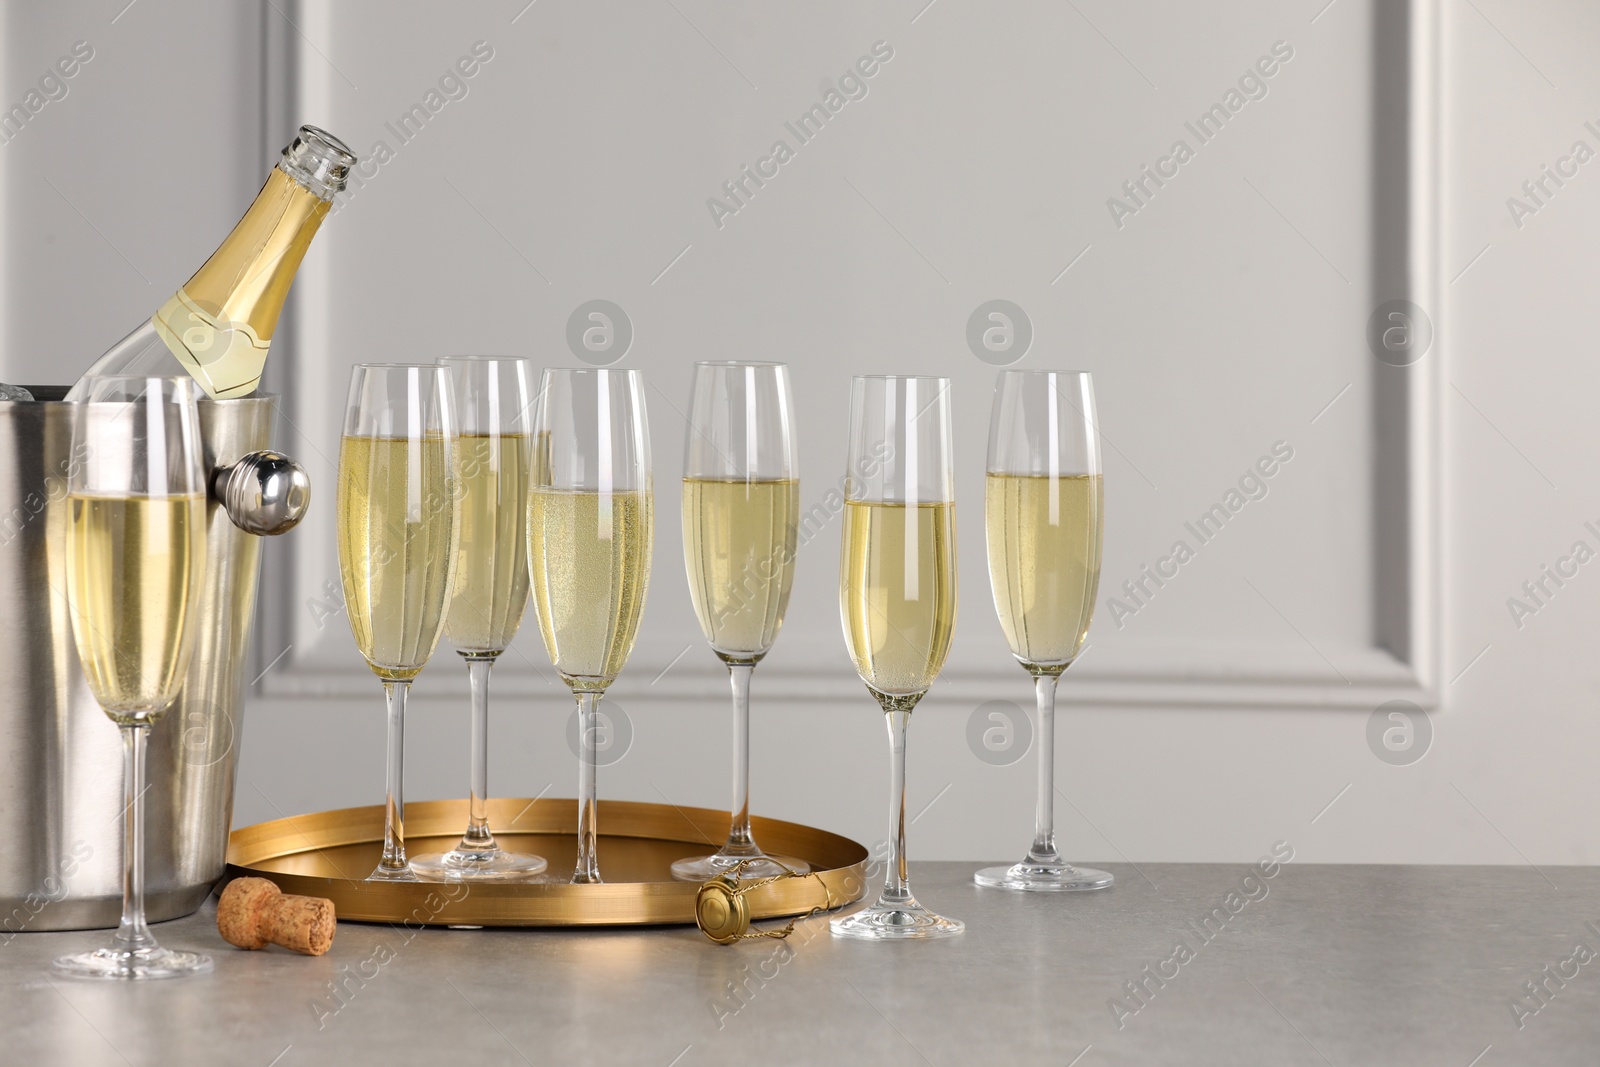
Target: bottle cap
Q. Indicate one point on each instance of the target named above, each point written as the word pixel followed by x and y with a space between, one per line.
pixel 318 160
pixel 721 912
pixel 723 915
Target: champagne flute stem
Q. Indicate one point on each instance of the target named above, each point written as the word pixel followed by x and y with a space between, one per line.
pixel 740 841
pixel 132 933
pixel 478 838
pixel 394 805
pixel 1044 832
pixel 896 888
pixel 588 869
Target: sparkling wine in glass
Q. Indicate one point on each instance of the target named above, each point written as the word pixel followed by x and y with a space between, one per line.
pixel 399 517
pixel 741 504
pixel 136 537
pixel 493 397
pixel 590 533
pixel 897 595
pixel 1043 511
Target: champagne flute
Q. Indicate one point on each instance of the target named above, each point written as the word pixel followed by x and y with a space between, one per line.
pixel 1043 508
pixel 136 536
pixel 399 517
pixel 590 532
pixel 897 595
pixel 491 584
pixel 741 502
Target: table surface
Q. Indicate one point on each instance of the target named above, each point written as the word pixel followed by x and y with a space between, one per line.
pixel 1317 965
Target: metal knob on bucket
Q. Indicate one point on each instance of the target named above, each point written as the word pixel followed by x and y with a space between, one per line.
pixel 61 801
pixel 264 492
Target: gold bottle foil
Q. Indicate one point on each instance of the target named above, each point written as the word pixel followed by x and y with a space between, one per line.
pixel 220 324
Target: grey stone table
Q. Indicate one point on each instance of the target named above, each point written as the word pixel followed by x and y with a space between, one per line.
pixel 1315 965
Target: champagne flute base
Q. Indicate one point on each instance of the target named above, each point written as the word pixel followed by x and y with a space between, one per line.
pixel 756 865
pixel 895 922
pixel 391 874
pixel 487 865
pixel 125 964
pixel 1044 878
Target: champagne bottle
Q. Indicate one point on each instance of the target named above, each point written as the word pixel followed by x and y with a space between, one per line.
pixel 219 325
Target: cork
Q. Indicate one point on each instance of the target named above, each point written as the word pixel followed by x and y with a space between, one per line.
pixel 254 913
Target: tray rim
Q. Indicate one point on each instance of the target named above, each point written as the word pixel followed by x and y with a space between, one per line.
pixel 538 904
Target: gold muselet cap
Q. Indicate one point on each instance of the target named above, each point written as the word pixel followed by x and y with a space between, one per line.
pixel 723 915
pixel 721 912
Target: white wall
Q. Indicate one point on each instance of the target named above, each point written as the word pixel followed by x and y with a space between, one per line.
pixel 1218 320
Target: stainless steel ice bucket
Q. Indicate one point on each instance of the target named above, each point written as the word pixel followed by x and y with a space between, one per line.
pixel 60 757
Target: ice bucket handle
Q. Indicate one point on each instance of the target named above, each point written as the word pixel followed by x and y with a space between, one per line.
pixel 263 493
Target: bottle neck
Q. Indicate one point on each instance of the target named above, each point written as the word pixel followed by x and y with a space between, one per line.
pixel 220 323
pixel 248 277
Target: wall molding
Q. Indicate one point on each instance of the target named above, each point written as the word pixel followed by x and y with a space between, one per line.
pixel 1404 662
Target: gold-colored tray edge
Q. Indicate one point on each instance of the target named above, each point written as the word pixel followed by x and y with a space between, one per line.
pixel 839 862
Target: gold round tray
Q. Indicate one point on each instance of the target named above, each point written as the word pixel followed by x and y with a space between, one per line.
pixel 330 853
